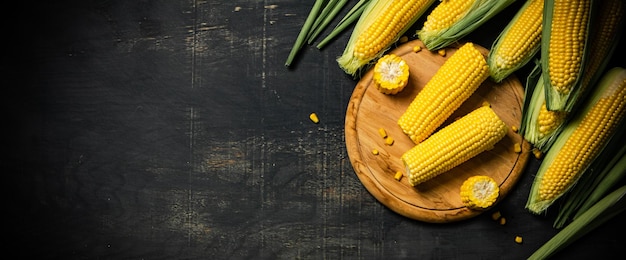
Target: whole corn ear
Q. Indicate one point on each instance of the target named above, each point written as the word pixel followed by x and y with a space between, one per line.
pixel 541 125
pixel 566 26
pixel 452 84
pixel 518 42
pixel 454 144
pixel 451 20
pixel 580 142
pixel 381 24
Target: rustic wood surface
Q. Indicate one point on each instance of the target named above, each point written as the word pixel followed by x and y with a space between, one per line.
pixel 437 200
pixel 162 129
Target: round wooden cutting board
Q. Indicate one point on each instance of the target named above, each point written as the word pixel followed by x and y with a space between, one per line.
pixel 437 200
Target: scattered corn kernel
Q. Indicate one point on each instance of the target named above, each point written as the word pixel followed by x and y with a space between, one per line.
pixel 389 140
pixel 502 221
pixel 486 103
pixel 517 147
pixel 538 154
pixel 496 215
pixel 375 152
pixel 382 132
pixel 417 48
pixel 314 118
pixel 398 175
pixel 404 39
pixel 442 52
pixel 514 128
pixel 518 239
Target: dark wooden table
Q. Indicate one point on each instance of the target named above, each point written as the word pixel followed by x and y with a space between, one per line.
pixel 160 129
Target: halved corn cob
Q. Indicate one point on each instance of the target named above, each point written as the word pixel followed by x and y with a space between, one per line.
pixel 518 42
pixel 540 125
pixel 391 74
pixel 454 144
pixel 381 24
pixel 566 26
pixel 451 20
pixel 479 192
pixel 580 142
pixel 452 84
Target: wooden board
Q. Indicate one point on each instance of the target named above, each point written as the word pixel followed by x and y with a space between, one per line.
pixel 437 200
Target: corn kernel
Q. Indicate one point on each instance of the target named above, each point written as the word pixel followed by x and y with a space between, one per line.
pixel 538 154
pixel 496 215
pixel 502 221
pixel 314 118
pixel 518 239
pixel 398 176
pixel 404 39
pixel 486 103
pixel 389 140
pixel 382 133
pixel 442 52
pixel 375 152
pixel 517 148
pixel 514 128
pixel 417 48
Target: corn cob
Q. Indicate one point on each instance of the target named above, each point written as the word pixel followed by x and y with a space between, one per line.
pixel 518 42
pixel 381 24
pixel 479 192
pixel 540 125
pixel 565 33
pixel 453 83
pixel 451 20
pixel 580 142
pixel 454 144
pixel 391 74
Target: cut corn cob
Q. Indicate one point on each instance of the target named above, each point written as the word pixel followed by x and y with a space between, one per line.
pixel 479 192
pixel 382 23
pixel 580 142
pixel 452 84
pixel 541 125
pixel 518 42
pixel 565 33
pixel 454 144
pixel 450 20
pixel 391 74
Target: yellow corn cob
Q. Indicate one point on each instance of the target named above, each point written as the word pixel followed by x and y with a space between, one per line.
pixel 581 141
pixel 454 144
pixel 381 24
pixel 452 84
pixel 566 25
pixel 518 42
pixel 391 74
pixel 479 192
pixel 451 20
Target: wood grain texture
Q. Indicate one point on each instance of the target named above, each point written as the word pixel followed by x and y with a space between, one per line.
pixel 437 200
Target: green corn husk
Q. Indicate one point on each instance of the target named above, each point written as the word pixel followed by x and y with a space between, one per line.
pixel 612 84
pixel 374 10
pixel 499 72
pixel 556 100
pixel 602 211
pixel 348 19
pixel 480 12
pixel 606 171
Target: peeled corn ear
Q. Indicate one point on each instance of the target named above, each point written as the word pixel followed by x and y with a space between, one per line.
pixel 454 144
pixel 381 24
pixel 452 84
pixel 518 42
pixel 451 20
pixel 580 142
